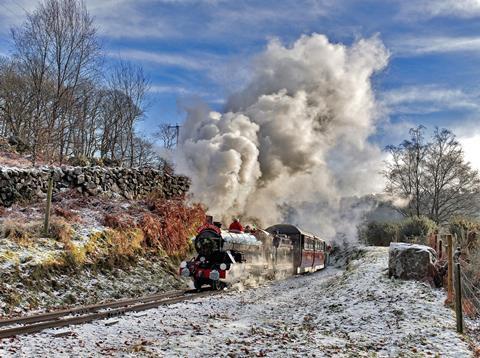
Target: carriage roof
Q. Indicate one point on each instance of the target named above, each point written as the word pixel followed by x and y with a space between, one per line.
pixel 288 229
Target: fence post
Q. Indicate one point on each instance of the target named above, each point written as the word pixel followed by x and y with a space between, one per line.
pixel 440 249
pixel 450 268
pixel 458 293
pixel 46 224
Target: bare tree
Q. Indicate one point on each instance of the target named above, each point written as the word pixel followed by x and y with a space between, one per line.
pixel 404 172
pixel 167 134
pixel 433 176
pixel 58 50
pixel 31 53
pixel 52 97
pixel 15 101
pixel 451 185
pixel 145 154
pixel 127 86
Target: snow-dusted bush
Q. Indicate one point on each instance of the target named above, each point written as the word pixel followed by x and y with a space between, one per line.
pixel 380 233
pixel 465 230
pixel 416 229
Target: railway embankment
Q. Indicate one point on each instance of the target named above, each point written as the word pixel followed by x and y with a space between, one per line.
pixel 356 311
pixel 98 247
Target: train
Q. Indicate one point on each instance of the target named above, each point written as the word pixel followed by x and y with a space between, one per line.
pixel 227 256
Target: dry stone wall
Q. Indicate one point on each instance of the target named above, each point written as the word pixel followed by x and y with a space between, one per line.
pixel 28 185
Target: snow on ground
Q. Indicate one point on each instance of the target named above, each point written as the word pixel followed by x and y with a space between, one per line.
pixel 357 312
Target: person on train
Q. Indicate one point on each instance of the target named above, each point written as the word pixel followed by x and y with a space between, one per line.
pixel 235 225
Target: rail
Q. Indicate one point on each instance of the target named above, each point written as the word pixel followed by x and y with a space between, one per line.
pixel 79 315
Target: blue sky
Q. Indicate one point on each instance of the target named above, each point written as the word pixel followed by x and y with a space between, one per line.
pixel 194 49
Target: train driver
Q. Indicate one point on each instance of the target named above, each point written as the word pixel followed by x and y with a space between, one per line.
pixel 235 225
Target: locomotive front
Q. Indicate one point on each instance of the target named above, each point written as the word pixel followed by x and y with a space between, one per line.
pixel 218 253
pixel 208 267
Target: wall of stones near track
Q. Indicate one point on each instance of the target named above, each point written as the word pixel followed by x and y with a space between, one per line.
pixel 19 185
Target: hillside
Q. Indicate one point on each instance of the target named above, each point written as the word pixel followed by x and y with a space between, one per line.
pixel 358 311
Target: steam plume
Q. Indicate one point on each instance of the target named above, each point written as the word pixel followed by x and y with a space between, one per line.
pixel 294 143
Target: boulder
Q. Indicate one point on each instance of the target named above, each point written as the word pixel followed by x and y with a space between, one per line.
pixel 80 179
pixel 413 262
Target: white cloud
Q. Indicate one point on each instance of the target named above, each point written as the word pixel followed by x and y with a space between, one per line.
pixel 184 93
pixel 165 59
pixel 160 19
pixel 114 18
pixel 130 19
pixel 179 90
pixel 427 99
pixel 434 8
pixel 201 18
pixel 435 44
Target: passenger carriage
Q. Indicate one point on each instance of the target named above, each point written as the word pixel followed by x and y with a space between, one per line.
pixel 309 251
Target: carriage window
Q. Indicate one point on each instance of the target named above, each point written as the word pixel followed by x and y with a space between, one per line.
pixel 308 243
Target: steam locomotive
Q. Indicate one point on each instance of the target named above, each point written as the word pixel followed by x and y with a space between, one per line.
pixel 224 257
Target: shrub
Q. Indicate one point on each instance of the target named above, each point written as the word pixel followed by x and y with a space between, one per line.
pixel 465 229
pixel 25 234
pixel 380 233
pixel 152 228
pixel 60 230
pixel 416 229
pixel 171 223
pixel 73 255
pixel 116 247
pixel 79 161
pixel 119 221
pixel 65 213
pixel 18 233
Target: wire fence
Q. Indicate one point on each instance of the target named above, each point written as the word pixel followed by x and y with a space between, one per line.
pixel 470 291
pixel 469 282
pixel 469 259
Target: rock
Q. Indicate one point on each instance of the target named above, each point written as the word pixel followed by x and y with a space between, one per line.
pixel 80 179
pixel 90 185
pixel 412 262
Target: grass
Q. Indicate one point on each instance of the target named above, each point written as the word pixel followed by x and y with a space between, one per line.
pixel 65 213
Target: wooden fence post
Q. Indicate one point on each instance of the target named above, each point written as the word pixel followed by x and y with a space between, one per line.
pixel 458 293
pixel 440 249
pixel 46 224
pixel 450 268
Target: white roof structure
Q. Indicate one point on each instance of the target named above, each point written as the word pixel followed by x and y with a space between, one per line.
pixel 240 238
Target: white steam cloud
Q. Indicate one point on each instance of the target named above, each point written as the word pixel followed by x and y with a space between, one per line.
pixel 293 145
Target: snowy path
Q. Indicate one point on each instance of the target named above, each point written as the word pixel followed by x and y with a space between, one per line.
pixel 359 312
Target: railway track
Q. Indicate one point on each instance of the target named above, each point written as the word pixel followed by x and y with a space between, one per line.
pixel 78 315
